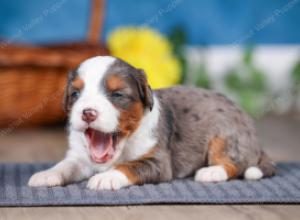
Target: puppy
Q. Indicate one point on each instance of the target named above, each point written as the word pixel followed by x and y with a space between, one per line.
pixel 122 133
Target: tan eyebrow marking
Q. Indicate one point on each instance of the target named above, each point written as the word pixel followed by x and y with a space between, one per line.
pixel 114 83
pixel 78 83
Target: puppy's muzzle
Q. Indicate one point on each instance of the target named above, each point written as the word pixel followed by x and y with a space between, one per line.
pixel 89 115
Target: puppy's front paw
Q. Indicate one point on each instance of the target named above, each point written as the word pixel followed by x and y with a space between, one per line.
pixel 46 178
pixel 110 180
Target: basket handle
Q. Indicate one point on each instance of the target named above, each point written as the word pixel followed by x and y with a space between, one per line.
pixel 96 21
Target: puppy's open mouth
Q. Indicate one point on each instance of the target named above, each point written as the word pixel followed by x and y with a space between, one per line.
pixel 101 145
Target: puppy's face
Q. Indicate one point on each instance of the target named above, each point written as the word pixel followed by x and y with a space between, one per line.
pixel 106 99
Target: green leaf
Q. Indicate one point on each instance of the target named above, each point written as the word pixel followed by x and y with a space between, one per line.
pixel 248 101
pixel 177 38
pixel 250 88
pixel 233 81
pixel 183 63
pixel 296 74
pixel 257 81
pixel 203 80
pixel 248 54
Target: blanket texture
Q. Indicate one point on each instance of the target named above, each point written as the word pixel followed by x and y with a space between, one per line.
pixel 282 188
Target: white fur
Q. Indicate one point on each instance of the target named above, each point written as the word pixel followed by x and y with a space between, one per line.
pixel 93 96
pixel 253 173
pixel 73 168
pixel 77 164
pixel 143 140
pixel 46 178
pixel 109 180
pixel 211 174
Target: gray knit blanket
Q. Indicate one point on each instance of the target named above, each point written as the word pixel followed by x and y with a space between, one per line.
pixel 282 188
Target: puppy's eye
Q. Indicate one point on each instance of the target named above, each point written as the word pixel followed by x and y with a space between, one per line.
pixel 117 95
pixel 75 94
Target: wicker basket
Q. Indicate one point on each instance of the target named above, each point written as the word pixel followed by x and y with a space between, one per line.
pixel 32 79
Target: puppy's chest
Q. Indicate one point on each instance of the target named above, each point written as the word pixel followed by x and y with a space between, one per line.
pixel 138 145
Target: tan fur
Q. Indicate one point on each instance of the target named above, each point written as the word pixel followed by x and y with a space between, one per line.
pixel 217 156
pixel 129 167
pixel 130 119
pixel 114 83
pixel 78 83
pixel 127 170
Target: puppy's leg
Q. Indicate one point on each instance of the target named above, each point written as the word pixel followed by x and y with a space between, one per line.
pixel 221 167
pixel 264 168
pixel 145 170
pixel 66 171
pixel 110 180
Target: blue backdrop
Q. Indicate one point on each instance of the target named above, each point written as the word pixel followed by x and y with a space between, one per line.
pixel 205 22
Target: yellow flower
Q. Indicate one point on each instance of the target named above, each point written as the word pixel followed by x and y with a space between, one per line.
pixel 146 49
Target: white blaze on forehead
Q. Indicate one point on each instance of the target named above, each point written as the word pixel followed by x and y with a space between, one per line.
pixel 92 70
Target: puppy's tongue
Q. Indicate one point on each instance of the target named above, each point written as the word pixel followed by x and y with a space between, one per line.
pixel 100 145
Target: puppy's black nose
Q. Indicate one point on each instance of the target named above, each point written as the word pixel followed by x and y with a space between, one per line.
pixel 89 115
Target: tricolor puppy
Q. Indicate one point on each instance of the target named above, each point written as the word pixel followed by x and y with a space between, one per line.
pixel 122 133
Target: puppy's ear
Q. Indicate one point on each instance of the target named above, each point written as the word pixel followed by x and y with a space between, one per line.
pixel 66 103
pixel 144 89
